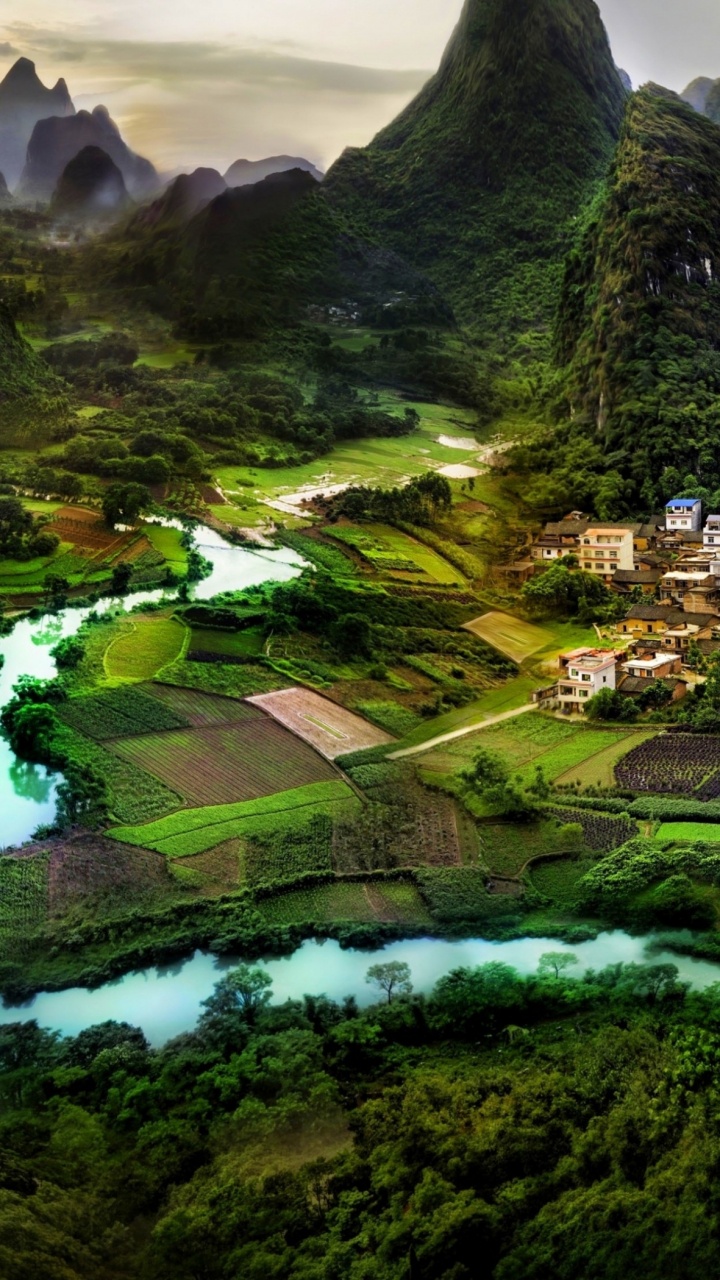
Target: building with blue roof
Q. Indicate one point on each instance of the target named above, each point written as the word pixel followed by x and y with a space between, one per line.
pixel 683 515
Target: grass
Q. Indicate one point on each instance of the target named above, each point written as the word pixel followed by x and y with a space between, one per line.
pixel 506 697
pixel 709 832
pixel 574 752
pixel 599 770
pixel 141 653
pixel 390 551
pixel 168 543
pixel 191 831
pixel 511 636
pixel 325 904
pixel 232 644
pixel 505 848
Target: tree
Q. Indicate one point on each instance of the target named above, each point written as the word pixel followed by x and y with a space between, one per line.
pixel 241 994
pixel 352 636
pixel 489 777
pixel 123 503
pixel 82 798
pixel 55 589
pixel 609 704
pixel 68 653
pixel 556 962
pixel 33 730
pixel 120 580
pixel 390 978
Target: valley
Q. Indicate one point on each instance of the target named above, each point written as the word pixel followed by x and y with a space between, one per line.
pixel 360 684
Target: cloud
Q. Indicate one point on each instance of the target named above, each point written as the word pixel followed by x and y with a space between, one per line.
pixel 8 50
pixel 185 103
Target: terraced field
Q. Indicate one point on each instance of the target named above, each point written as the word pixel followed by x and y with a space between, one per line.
pixel 220 764
pixel 191 831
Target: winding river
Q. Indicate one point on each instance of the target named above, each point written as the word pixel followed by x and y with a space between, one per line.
pixel 27 792
pixel 167 1001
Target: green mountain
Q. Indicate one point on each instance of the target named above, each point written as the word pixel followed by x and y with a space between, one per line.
pixel 639 329
pixel 480 179
pixel 257 258
pixel 32 403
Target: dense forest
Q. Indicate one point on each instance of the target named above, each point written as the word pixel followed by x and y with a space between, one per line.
pixel 504 1126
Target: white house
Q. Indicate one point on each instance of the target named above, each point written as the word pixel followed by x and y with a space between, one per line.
pixel 711 534
pixel 583 673
pixel 683 515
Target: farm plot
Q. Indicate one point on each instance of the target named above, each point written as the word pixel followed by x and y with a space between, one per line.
pixel 120 713
pixel 331 729
pixel 513 637
pixel 140 653
pixel 90 867
pixel 192 707
pixel 325 904
pixel 673 764
pixel 191 831
pixel 574 752
pixel 87 531
pixel 23 896
pixel 599 770
pixel 601 833
pixel 390 551
pixel 708 832
pixel 224 763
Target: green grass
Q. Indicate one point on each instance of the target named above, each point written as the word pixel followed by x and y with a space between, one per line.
pixel 505 848
pixel 142 652
pixel 231 644
pixel 708 832
pixel 325 904
pixel 575 751
pixel 506 697
pixel 168 543
pixel 191 831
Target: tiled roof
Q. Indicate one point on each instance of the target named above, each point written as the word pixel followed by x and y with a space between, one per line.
pixel 639 577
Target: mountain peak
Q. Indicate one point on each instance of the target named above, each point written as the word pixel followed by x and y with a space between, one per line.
pixel 23 71
pixel 481 177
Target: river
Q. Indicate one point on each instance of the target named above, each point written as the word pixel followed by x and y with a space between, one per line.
pixel 167 1001
pixel 27 792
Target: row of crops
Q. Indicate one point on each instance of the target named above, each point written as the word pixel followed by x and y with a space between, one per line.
pixel 673 764
pixel 120 713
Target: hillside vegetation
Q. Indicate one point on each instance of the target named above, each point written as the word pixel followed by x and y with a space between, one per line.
pixel 479 180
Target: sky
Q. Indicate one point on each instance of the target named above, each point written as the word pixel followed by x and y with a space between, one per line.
pixel 208 81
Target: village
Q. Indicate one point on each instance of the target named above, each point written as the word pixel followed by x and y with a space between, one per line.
pixel 669 568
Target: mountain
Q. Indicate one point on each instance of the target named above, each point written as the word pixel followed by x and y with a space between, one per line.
pixel 639 327
pixel 244 173
pixel 56 141
pixel 256 258
pixel 91 186
pixel 23 101
pixel 697 92
pixel 185 196
pixel 480 179
pixel 5 197
pixel 32 402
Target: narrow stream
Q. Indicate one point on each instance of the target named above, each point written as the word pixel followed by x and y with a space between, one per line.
pixel 27 792
pixel 167 1001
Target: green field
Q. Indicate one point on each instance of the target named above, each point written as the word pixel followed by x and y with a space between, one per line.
pixel 701 831
pixel 389 551
pixel 505 697
pixel 599 770
pixel 190 831
pixel 168 543
pixel 143 651
pixel 511 636
pixel 574 752
pixel 363 902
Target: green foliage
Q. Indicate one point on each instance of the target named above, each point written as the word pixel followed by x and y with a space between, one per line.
pixel 288 853
pixel 123 503
pixel 481 176
pixel 454 894
pixel 610 705
pixel 33 404
pixel 560 592
pixel 122 712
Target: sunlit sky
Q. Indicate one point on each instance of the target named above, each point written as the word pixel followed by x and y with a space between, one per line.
pixel 208 82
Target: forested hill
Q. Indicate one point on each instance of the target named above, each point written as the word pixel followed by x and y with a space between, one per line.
pixel 479 180
pixel 32 402
pixel 639 326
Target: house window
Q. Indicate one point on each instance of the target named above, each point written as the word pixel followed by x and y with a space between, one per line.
pixel 711 539
pixel 613 555
pixel 583 693
pixel 587 564
pixel 604 679
pixel 586 679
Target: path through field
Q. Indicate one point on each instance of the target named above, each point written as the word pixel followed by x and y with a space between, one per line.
pixel 461 733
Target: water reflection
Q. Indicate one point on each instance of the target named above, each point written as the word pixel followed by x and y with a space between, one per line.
pixel 30 781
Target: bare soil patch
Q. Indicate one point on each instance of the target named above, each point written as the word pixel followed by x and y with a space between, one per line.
pixel 331 729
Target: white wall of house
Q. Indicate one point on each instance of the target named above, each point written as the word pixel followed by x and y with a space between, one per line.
pixel 603 551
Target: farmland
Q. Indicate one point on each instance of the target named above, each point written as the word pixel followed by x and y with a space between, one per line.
pixel 708 832
pixel 191 707
pixel 23 897
pixel 374 901
pixel 223 763
pixel 118 713
pixel 673 764
pixel 191 831
pixel 329 728
pixel 512 637
pixel 388 550
pixel 142 651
